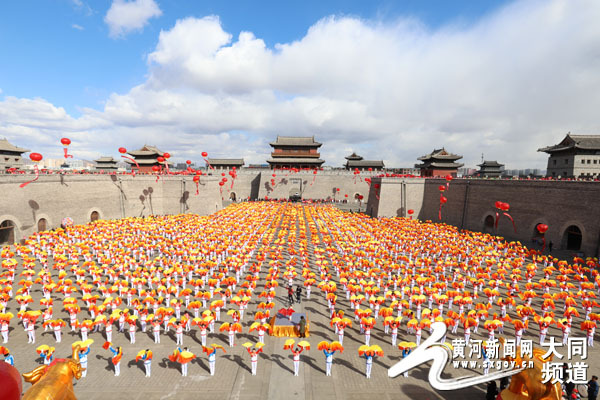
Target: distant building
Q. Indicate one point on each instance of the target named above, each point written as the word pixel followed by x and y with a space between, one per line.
pixel 295 152
pixel 357 162
pixel 226 163
pixel 439 163
pixel 576 156
pixel 146 157
pixel 490 169
pixel 10 156
pixel 107 164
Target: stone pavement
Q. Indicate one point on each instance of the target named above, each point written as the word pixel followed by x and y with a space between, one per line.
pixel 233 379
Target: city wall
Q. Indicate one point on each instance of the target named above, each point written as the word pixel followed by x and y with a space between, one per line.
pixel 558 204
pixel 54 197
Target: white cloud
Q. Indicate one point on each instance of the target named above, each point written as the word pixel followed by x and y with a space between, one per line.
pixel 124 16
pixel 78 27
pixel 512 82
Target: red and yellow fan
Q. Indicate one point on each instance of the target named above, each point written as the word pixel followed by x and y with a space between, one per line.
pixel 406 345
pixel 139 355
pixel 289 344
pixel 210 348
pixel 44 349
pixel 304 344
pixel 373 350
pixel 587 325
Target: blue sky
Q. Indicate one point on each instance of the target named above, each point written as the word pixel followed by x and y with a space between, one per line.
pixel 74 68
pixel 388 79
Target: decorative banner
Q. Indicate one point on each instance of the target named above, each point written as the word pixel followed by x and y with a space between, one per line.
pixel 196 180
pixel 443 201
pixel 204 155
pixel 66 142
pixel 542 228
pixel 36 158
pixel 123 150
pixel 503 207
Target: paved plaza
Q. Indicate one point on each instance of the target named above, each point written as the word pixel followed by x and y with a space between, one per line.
pixel 275 379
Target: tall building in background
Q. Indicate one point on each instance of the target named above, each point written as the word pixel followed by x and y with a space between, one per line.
pixel 576 156
pixel 10 156
pixel 439 163
pixel 146 157
pixel 357 162
pixel 295 152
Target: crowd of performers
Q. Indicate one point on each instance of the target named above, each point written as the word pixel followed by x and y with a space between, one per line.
pixel 226 271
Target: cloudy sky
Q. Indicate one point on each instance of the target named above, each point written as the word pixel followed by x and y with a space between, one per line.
pixel 390 80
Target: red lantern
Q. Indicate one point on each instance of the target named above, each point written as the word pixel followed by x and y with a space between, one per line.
pixel 360 196
pixel 542 228
pixel 498 205
pixel 449 178
pixel 160 159
pixel 204 154
pixel 37 157
pixel 224 179
pixel 345 195
pixel 370 169
pixel 196 178
pixel 221 183
pixel 189 162
pixel 65 141
pixel 442 188
pixel 122 150
pixel 505 207
pixel 337 190
pixel 411 212
pixel 166 155
pixel 155 168
pixel 443 200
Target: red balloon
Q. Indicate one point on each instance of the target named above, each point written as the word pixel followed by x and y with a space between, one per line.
pixel 65 141
pixel 542 228
pixel 443 200
pixel 160 159
pixel 122 150
pixel 204 154
pixel 442 188
pixel 196 178
pixel 10 382
pixel 35 157
pixel 155 168
pixel 189 162
pixel 411 212
pixel 166 155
